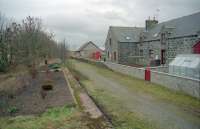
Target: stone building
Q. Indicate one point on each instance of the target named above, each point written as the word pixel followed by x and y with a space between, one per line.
pixel 156 43
pixel 121 42
pixel 88 50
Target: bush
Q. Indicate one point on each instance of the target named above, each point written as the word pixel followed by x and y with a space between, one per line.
pixel 12 109
pixel 3 65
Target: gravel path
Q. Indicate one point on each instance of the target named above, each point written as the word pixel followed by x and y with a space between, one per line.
pixel 165 115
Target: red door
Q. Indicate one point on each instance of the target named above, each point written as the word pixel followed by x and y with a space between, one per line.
pixel 196 48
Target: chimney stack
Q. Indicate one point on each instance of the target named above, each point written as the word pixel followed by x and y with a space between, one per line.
pixel 149 24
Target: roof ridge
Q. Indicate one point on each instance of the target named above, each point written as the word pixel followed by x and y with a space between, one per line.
pixel 125 27
pixel 177 18
pixel 85 44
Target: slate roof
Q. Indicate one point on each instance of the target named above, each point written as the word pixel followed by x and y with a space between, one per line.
pixel 86 44
pixel 183 26
pixel 126 34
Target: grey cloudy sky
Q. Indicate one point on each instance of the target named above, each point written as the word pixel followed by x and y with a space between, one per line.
pixel 82 20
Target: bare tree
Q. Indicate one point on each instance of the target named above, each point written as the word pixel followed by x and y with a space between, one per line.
pixel 27 43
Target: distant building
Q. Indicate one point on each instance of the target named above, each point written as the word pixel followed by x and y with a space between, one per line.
pixel 89 50
pixel 156 43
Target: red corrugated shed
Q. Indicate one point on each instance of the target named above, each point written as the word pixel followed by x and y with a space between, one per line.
pixel 96 55
pixel 196 48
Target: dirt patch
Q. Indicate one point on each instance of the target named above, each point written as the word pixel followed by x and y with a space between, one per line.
pixel 34 96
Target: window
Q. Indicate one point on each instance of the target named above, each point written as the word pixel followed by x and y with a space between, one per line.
pixel 128 38
pixel 150 52
pixel 163 38
pixel 115 56
pixel 141 52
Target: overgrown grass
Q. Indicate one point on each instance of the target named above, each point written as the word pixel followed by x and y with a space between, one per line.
pixel 120 117
pixel 60 117
pixel 157 91
pixel 66 117
pixel 76 84
pixel 113 106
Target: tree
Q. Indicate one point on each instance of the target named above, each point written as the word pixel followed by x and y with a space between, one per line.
pixel 27 43
pixel 3 46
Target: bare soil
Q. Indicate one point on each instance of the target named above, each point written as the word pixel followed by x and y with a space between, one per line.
pixel 30 96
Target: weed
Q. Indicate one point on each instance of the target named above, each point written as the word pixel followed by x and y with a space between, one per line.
pixel 12 109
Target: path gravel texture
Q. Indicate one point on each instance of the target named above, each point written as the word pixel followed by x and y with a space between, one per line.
pixel 164 114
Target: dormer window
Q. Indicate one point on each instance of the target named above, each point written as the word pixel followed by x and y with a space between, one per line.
pixel 155 35
pixel 128 38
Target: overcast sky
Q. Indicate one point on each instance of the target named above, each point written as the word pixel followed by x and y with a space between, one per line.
pixel 79 21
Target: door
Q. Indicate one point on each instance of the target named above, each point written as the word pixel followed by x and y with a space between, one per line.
pixel 163 56
pixel 115 56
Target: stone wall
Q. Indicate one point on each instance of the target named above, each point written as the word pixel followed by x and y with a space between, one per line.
pixel 126 50
pixel 164 69
pixel 146 46
pixel 111 46
pixel 180 45
pixel 129 52
pixel 128 70
pixel 183 84
pixel 177 83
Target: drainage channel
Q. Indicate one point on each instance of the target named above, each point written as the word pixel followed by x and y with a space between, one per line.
pixel 97 106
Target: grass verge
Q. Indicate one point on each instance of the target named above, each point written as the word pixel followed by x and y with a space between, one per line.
pixel 119 116
pixel 60 117
pixel 157 91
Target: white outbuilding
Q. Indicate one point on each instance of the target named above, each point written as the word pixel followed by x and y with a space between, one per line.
pixel 186 65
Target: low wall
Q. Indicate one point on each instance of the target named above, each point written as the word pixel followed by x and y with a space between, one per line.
pixel 160 69
pixel 128 70
pixel 186 85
